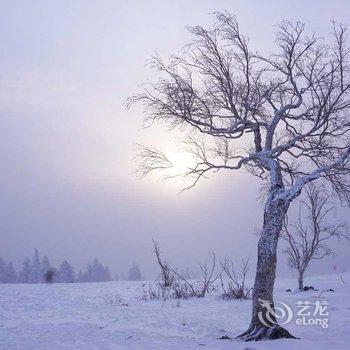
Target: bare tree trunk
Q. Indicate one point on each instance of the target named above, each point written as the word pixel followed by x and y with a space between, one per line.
pixel 263 324
pixel 301 279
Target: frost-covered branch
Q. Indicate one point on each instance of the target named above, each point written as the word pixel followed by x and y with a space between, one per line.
pixel 291 106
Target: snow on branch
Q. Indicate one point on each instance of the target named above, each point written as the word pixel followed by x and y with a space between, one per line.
pixel 283 115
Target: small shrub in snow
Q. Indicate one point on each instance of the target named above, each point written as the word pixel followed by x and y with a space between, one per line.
pixel 175 285
pixel 235 288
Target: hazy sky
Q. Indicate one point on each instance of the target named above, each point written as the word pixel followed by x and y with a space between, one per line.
pixel 67 184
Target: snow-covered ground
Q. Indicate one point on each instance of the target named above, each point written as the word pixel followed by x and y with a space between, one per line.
pixel 92 316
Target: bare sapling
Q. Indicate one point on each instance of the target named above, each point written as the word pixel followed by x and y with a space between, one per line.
pixel 209 275
pixel 308 238
pixel 166 272
pixel 235 288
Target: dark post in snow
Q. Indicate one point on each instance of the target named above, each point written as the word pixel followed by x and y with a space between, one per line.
pixel 283 118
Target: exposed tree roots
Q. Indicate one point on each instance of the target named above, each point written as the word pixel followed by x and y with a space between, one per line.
pixel 262 332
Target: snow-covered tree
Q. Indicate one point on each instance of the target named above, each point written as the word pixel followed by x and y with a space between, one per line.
pixel 8 272
pixel 2 270
pixel 25 273
pixel 65 273
pixel 98 272
pixel 95 272
pixel 106 274
pixel 283 117
pixel 36 273
pixel 134 273
pixel 11 274
pixel 307 238
pixel 80 276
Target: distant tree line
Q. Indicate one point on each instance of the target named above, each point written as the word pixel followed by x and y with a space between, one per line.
pixel 38 270
pixel 95 272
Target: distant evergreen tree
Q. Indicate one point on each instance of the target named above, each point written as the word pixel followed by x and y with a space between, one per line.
pixel 65 273
pixel 95 272
pixel 85 276
pixel 25 274
pixel 90 275
pixel 106 274
pixel 11 274
pixel 36 273
pixel 98 272
pixel 8 273
pixel 134 273
pixel 2 270
pixel 80 276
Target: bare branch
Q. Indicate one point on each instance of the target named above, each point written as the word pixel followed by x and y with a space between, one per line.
pixel 150 160
pixel 289 109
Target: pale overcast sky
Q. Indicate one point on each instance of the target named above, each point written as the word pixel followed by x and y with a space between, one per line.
pixel 67 184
